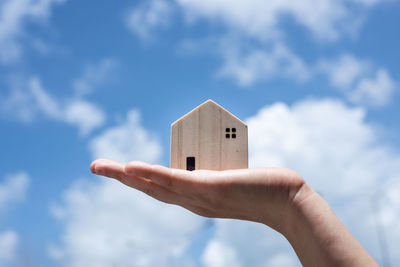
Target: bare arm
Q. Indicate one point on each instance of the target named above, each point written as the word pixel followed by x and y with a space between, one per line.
pixel 319 237
pixel 276 197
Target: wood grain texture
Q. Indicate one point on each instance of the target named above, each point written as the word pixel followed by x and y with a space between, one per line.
pixel 202 134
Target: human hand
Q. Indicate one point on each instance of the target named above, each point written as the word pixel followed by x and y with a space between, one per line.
pixel 261 195
pixel 277 197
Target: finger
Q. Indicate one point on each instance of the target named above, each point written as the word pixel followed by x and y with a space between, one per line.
pixel 109 168
pixel 172 179
pixel 152 189
pixel 114 169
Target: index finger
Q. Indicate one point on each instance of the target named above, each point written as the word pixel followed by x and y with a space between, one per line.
pixel 172 179
pixel 109 168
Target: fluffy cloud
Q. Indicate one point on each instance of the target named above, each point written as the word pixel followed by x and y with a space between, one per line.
pixel 13 190
pixel 258 51
pixel 333 147
pixel 387 219
pixel 19 103
pixel 261 65
pixel 360 80
pixel 266 54
pixel 85 115
pixel 344 70
pixel 44 102
pixel 14 15
pixel 375 91
pixel 145 18
pixel 94 75
pixel 106 223
pixel 28 98
pixel 127 141
pixel 327 19
pixel 327 142
pixel 242 243
pixel 217 254
pixel 8 246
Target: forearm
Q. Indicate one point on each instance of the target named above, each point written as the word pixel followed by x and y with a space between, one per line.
pixel 319 237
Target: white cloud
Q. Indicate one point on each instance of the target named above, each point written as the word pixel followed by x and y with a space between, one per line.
pixel 28 98
pixel 265 55
pixel 243 243
pixel 150 15
pixel 340 155
pixel 374 91
pixel 327 142
pixel 108 224
pixel 217 254
pixel 19 103
pixel 248 63
pixel 13 189
pixel 127 141
pixel 260 51
pixel 248 67
pixel 361 81
pixel 388 217
pixel 94 75
pixel 14 15
pixel 344 71
pixel 85 115
pixel 45 103
pixel 8 245
pixel 326 19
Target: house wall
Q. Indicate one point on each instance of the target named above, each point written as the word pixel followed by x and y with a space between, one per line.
pixel 201 134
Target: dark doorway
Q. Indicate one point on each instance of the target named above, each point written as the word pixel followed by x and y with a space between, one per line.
pixel 190 163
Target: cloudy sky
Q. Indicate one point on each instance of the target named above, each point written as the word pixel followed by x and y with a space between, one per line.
pixel 316 81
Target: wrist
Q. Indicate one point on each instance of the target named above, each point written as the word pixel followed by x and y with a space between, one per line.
pixel 285 194
pixel 301 205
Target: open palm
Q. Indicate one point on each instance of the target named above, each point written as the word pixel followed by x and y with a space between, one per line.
pixel 277 197
pixel 261 195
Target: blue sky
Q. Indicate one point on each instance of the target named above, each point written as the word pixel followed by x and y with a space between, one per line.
pixel 317 84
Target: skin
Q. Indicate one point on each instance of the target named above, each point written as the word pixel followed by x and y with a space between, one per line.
pixel 276 197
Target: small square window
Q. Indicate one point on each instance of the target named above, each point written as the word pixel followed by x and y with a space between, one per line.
pixel 233 130
pixel 227 130
pixel 227 135
pixel 233 135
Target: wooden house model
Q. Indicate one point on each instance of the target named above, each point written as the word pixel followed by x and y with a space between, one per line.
pixel 209 137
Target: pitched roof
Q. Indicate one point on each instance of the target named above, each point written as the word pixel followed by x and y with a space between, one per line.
pixel 208 102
